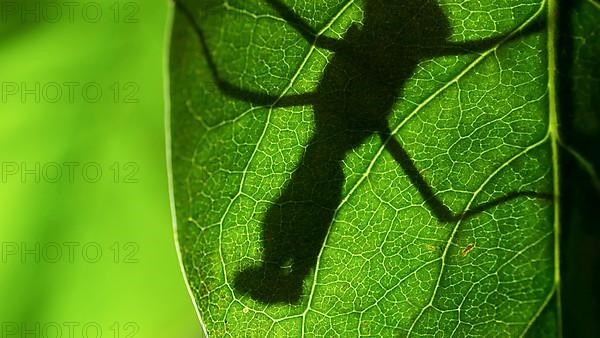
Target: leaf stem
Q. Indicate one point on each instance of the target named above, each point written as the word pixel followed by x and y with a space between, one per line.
pixel 553 125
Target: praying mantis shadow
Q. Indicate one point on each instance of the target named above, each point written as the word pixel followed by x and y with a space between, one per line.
pixel 358 88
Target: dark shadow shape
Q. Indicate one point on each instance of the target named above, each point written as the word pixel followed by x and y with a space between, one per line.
pixel 437 207
pixel 356 94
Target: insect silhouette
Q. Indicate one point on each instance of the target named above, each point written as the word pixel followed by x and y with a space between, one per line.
pixel 357 91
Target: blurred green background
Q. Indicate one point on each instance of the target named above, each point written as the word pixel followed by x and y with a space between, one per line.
pixel 54 57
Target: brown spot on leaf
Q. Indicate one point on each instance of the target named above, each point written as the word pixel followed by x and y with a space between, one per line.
pixel 468 248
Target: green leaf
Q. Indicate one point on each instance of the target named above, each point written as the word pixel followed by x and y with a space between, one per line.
pixel 382 168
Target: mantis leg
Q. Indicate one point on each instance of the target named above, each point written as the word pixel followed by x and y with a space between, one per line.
pixel 480 46
pixel 437 207
pixel 231 90
pixel 307 32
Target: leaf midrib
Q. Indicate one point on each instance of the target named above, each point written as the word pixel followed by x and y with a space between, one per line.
pixel 552 18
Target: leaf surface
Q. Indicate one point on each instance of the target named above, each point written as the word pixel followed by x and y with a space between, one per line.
pixel 397 183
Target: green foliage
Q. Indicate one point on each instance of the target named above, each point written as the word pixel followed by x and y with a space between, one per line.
pixel 399 182
pixel 47 289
